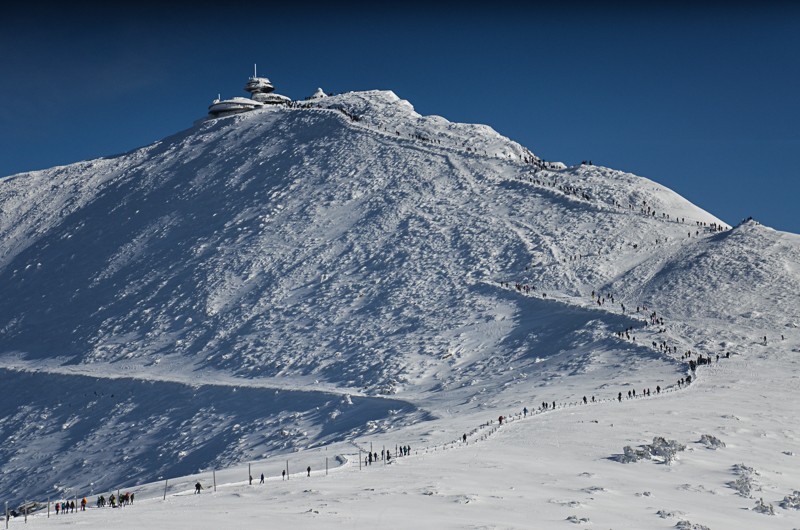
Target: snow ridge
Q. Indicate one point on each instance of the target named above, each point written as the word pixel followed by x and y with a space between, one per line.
pixel 357 269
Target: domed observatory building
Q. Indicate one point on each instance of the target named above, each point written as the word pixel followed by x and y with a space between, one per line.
pixel 261 95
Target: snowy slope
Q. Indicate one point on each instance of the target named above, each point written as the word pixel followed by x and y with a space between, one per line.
pixel 351 269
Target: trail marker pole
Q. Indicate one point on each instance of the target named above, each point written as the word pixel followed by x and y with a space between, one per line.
pixel 359 461
pixel 214 476
pixel 287 469
pixel 26 512
pixel 326 466
pixel 7 515
pixel 249 474
pixel 166 481
pixel 48 507
pixel 384 455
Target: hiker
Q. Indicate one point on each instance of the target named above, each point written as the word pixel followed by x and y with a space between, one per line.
pixel 308 469
pixel 197 487
pixel 283 475
pixel 262 478
pixel 525 412
pixel 83 504
pixel 58 507
pixel 464 438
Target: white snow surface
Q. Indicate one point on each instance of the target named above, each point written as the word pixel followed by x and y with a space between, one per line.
pixel 298 284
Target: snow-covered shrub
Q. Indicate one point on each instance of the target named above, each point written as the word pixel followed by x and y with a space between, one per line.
pixel 711 442
pixel 666 450
pixel 576 520
pixel 745 482
pixel 764 508
pixel 629 455
pixel 661 450
pixel 791 502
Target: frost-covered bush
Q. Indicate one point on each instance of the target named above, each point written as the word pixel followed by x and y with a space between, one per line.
pixel 791 502
pixel 576 520
pixel 762 507
pixel 666 450
pixel 661 450
pixel 745 483
pixel 630 455
pixel 712 442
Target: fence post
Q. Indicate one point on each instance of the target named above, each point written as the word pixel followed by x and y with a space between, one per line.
pixel 166 481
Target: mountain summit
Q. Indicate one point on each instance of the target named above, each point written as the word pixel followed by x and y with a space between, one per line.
pixel 307 273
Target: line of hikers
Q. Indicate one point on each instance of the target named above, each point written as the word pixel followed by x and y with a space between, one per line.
pixel 70 506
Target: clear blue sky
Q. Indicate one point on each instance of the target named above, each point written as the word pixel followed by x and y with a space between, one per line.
pixel 704 100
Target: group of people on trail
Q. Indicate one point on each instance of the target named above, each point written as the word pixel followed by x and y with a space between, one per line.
pixel 386 454
pixel 70 506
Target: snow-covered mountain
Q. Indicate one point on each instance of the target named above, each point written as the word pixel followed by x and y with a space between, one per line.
pixel 297 277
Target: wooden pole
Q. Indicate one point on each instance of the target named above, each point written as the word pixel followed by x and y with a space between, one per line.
pixel 166 481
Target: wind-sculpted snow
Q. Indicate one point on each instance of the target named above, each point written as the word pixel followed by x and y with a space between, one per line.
pixel 94 433
pixel 350 246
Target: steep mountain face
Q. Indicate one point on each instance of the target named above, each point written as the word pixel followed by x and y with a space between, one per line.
pixel 350 247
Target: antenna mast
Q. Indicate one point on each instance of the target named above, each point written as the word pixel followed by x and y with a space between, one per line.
pixel 255 74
